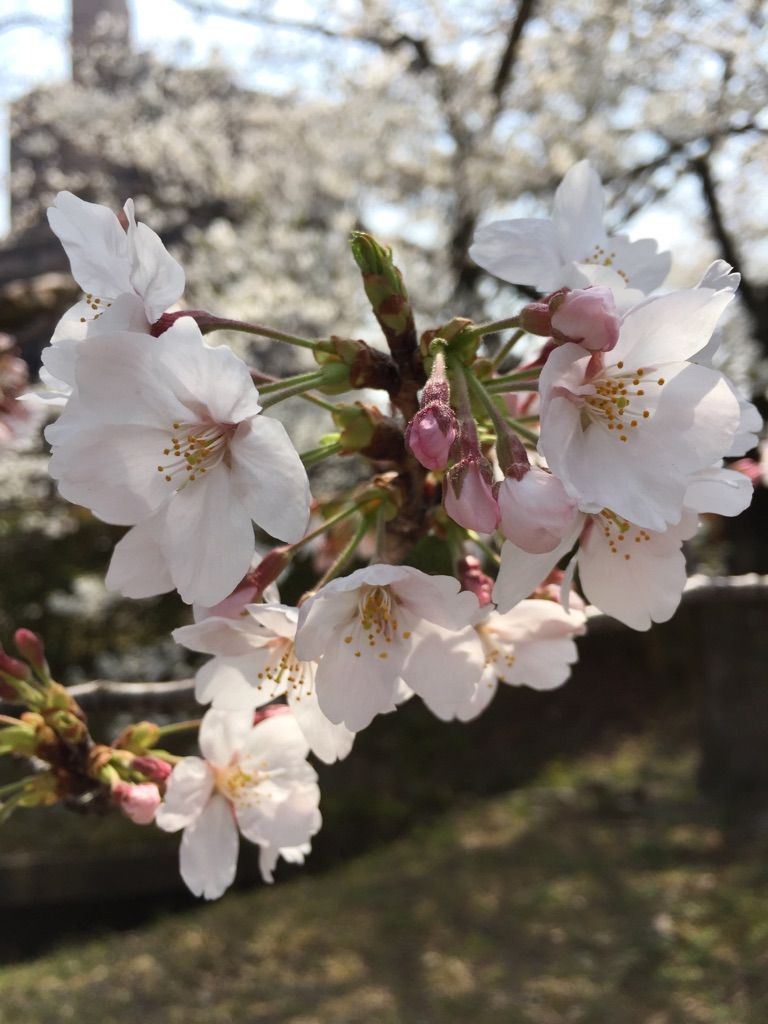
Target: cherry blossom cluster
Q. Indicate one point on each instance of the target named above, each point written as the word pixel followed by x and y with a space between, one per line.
pixel 579 472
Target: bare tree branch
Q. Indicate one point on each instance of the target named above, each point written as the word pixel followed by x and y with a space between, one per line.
pixel 509 55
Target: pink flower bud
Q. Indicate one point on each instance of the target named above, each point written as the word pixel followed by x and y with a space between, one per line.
pixel 13 668
pixel 30 646
pixel 535 318
pixel 474 579
pixel 588 317
pixel 536 511
pixel 469 500
pixel 137 802
pixel 152 767
pixel 749 468
pixel 430 435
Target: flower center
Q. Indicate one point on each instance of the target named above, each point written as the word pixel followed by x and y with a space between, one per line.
pixel 376 624
pixel 600 257
pixel 284 672
pixel 196 448
pixel 498 655
pixel 238 783
pixel 621 399
pixel 620 534
pixel 97 305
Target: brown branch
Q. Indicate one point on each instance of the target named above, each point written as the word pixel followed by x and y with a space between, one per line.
pixel 509 55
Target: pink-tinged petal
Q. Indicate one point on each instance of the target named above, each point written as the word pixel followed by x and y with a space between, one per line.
pixel 534 620
pixel 578 212
pixel 354 684
pixel 138 567
pixel 322 617
pixel 542 664
pixel 270 478
pixel 522 251
pixel 117 382
pixel 194 369
pixel 643 588
pixel 233 684
pixel 155 274
pixel 222 636
pixel 278 743
pixel 95 242
pixel 750 426
pixel 187 791
pixel 111 470
pixel 443 667
pixel 288 824
pixel 480 698
pixel 670 328
pixel 208 538
pixel 719 490
pixel 521 572
pixel 436 599
pixel 208 853
pixel 224 735
pixel 328 741
pixel 275 618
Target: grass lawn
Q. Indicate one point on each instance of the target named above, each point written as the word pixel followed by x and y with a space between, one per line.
pixel 603 892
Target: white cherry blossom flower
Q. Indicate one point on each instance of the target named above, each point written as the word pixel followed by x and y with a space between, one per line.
pixel 107 261
pixel 383 626
pixel 635 575
pixel 530 645
pixel 572 249
pixel 254 663
pixel 627 429
pixel 251 778
pixel 165 436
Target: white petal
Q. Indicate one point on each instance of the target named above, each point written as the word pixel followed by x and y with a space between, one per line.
pixel 155 274
pixel 480 698
pixel 271 479
pixel 444 667
pixel 95 242
pixel 233 684
pixel 670 328
pixel 640 590
pixel 208 854
pixel 321 618
pixel 522 251
pixel 578 212
pixel 542 664
pixel 354 689
pixel 436 599
pixel 223 735
pixel 201 373
pixel 719 490
pixel 289 824
pixel 187 791
pixel 327 740
pixel 138 567
pixel 278 742
pixel 223 636
pixel 521 572
pixel 208 539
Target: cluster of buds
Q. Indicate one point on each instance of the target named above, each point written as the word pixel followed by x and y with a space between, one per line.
pixel 53 730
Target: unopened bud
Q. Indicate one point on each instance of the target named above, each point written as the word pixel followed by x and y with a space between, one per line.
pixel 138 737
pixel 18 739
pixel 138 802
pixel 30 646
pixel 154 769
pixel 431 434
pixel 469 500
pixel 13 670
pixel 587 317
pixel 536 511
